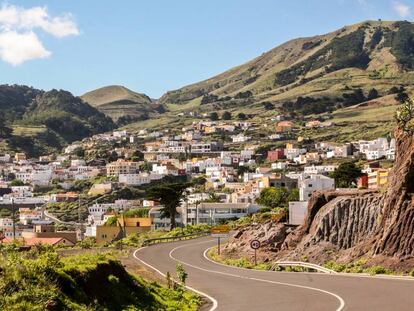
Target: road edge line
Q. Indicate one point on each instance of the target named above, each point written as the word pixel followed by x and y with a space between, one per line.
pixel 355 275
pixel 214 301
pixel 336 296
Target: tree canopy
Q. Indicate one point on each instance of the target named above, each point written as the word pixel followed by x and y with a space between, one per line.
pixel 214 116
pixel 346 174
pixel 277 197
pixel 170 196
pixel 226 115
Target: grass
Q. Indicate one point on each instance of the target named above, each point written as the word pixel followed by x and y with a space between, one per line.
pixel 241 262
pixel 365 114
pixel 357 123
pixel 41 280
pixel 28 131
pixel 359 266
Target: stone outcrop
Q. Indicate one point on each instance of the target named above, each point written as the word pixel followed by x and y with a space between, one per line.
pixel 344 221
pixel 395 235
pixel 270 234
pixel 347 225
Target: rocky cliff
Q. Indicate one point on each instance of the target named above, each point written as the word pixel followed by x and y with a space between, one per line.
pixel 347 225
pixel 395 234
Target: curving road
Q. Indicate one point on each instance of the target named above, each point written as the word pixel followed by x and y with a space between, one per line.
pixel 231 288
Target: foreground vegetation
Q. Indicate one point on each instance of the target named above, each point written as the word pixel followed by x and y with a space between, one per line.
pixel 40 279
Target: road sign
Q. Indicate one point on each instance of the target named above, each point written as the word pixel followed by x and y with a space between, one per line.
pixel 218 232
pixel 255 244
pixel 221 231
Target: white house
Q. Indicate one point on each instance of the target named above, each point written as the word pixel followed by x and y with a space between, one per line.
pixel 319 169
pixel 292 153
pixel 278 165
pixel 240 138
pixel 311 183
pixel 297 212
pixel 134 179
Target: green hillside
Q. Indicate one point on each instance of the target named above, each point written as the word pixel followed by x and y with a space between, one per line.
pixel 122 105
pixel 368 55
pixel 39 122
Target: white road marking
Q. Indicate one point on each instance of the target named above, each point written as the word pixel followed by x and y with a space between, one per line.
pixel 341 274
pixel 341 301
pixel 214 301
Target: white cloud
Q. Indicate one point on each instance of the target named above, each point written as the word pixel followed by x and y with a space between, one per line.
pixel 403 10
pixel 16 48
pixel 18 39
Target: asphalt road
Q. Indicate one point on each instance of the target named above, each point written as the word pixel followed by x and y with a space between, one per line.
pixel 231 288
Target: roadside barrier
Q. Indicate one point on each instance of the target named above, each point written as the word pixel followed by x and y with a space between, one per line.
pixel 303 265
pixel 175 238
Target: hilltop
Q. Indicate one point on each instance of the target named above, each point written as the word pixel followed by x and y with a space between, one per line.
pixel 121 104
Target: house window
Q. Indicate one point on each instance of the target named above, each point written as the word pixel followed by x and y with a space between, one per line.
pixel 104 236
pixel 310 186
pixel 138 224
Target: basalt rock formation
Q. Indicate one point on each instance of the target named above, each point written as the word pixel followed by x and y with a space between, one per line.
pixel 395 234
pixel 347 225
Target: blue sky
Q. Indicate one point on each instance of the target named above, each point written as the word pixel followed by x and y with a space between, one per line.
pixel 153 46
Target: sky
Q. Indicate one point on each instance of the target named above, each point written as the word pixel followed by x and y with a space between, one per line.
pixel 153 46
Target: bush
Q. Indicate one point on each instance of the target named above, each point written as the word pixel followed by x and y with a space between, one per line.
pixel 377 270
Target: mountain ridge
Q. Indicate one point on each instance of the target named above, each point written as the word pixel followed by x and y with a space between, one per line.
pixel 353 51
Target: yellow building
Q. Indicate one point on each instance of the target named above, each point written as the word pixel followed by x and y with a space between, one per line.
pixel 124 227
pixel 377 178
pixel 150 156
pixel 210 129
pixel 290 146
pixel 20 157
pixel 121 167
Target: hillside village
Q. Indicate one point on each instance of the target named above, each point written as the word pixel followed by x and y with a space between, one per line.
pixel 64 198
pixel 238 155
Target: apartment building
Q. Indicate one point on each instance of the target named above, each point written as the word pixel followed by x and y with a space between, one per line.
pixel 121 167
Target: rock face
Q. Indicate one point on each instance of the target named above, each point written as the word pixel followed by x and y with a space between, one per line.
pixel 347 225
pixel 270 234
pixel 395 235
pixel 344 221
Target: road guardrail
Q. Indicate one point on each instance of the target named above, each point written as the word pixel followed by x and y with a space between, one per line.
pixel 304 265
pixel 175 238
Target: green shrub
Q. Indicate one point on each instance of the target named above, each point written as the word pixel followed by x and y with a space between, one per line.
pixel 377 270
pixel 41 280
